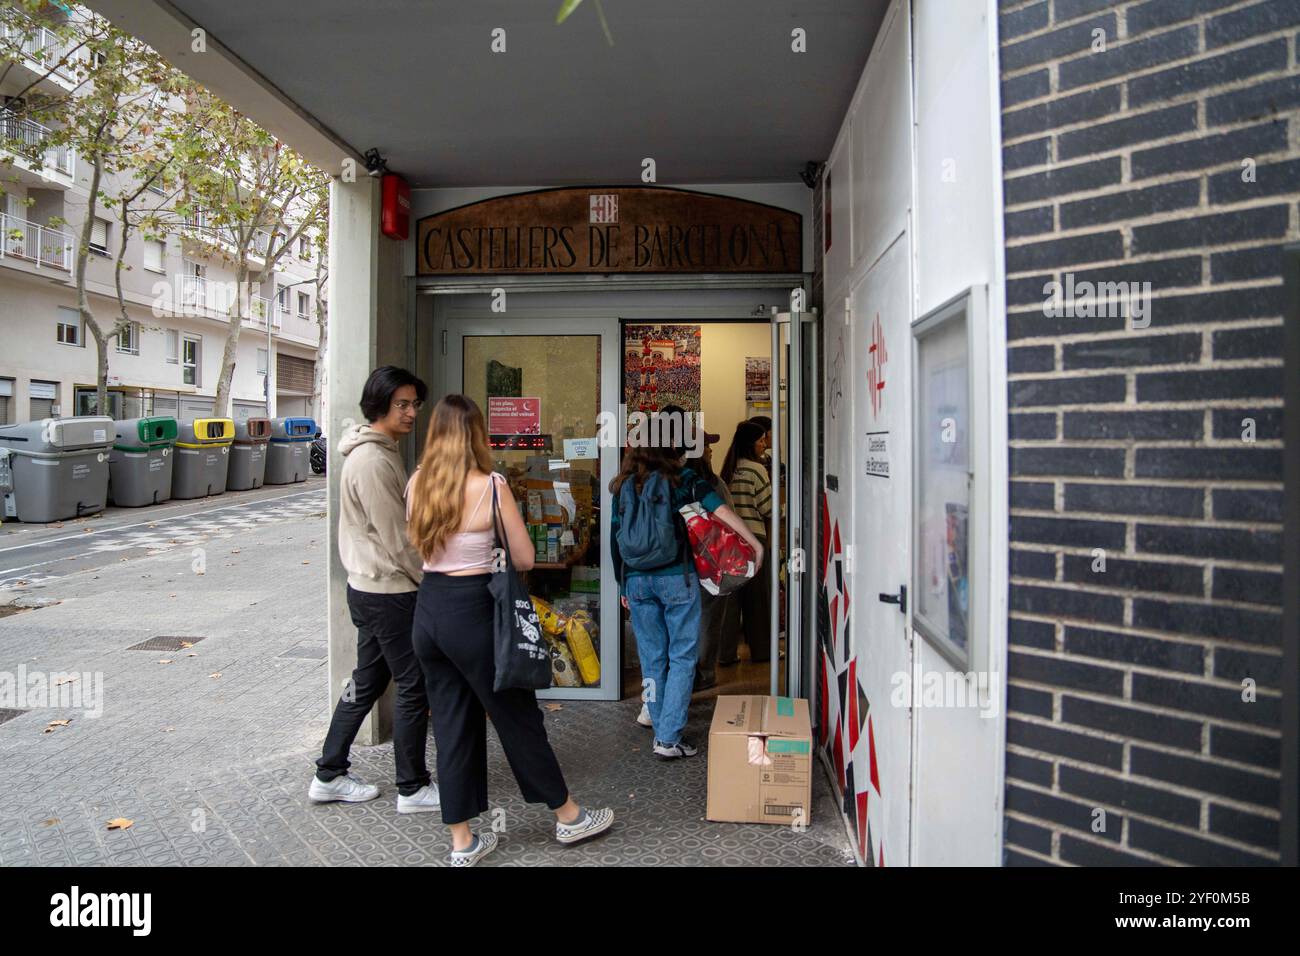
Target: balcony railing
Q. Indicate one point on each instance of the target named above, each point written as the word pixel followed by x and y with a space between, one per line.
pixel 41 45
pixel 201 297
pixel 18 134
pixel 42 245
pixel 201 229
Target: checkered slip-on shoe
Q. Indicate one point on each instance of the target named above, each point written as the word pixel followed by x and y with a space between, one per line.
pixel 481 847
pixel 588 824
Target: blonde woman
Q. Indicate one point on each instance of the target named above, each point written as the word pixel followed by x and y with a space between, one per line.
pixel 449 522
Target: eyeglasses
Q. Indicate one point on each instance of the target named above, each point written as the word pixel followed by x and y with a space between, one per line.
pixel 403 405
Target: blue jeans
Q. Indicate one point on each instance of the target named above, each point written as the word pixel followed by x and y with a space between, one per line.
pixel 666 620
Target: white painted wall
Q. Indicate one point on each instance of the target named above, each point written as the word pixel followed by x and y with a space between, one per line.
pixel 958 245
pixel 928 173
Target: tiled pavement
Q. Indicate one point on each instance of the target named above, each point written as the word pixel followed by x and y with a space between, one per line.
pixel 214 769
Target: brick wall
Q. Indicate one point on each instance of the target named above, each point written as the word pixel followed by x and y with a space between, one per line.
pixel 1168 157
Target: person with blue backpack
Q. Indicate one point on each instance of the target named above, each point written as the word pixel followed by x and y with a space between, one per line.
pixel 655 567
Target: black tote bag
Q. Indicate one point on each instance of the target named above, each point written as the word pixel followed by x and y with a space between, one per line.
pixel 523 660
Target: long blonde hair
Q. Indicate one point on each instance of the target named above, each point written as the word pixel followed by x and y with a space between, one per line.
pixel 455 444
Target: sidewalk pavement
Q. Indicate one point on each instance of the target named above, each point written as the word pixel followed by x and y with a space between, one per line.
pixel 210 755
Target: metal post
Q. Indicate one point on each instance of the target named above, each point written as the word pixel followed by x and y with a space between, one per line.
pixel 794 521
pixel 808 640
pixel 774 541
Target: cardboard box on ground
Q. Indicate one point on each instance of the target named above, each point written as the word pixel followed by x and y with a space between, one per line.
pixel 760 760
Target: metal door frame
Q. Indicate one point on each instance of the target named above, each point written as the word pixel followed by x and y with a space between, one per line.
pixel 451 331
pixel 802 531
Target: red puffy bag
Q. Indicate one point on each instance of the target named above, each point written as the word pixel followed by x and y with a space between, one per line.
pixel 723 560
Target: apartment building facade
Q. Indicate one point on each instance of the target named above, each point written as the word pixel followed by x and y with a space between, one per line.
pixel 178 292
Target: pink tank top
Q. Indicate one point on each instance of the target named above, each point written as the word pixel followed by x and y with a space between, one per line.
pixel 467 550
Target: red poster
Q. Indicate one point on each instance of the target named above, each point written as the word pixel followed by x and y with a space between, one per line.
pixel 514 416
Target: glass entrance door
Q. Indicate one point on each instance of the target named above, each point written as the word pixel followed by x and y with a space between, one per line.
pixel 542 387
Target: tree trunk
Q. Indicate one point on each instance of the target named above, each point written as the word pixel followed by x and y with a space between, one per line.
pixel 322 341
pixel 221 403
pixel 83 300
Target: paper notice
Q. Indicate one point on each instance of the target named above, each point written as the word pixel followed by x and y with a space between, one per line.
pixel 581 448
pixel 564 496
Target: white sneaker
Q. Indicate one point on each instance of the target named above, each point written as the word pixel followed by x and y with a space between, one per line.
pixel 588 824
pixel 422 801
pixel 643 718
pixel 346 788
pixel 482 845
pixel 672 751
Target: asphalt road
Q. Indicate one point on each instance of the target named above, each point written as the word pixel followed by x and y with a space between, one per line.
pixel 33 554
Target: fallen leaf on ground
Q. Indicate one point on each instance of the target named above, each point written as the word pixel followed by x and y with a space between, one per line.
pixel 120 823
pixel 50 822
pixel 58 723
pixel 66 680
pixel 555 707
pixel 185 644
pixel 306 562
pixel 191 654
pixel 165 661
pixel 215 676
pixel 168 730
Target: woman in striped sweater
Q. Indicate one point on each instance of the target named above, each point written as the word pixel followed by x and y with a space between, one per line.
pixel 751 490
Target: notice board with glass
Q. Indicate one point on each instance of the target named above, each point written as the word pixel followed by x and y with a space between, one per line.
pixel 942 481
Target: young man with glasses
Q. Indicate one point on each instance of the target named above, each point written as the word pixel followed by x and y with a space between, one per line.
pixel 384 574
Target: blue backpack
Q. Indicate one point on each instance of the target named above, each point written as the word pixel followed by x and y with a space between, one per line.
pixel 647 530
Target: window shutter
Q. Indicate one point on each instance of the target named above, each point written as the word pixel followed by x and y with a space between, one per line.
pixel 99 233
pixel 153 255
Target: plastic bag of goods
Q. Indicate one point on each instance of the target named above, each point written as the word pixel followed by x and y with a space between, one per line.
pixel 564 672
pixel 553 621
pixel 723 560
pixel 578 633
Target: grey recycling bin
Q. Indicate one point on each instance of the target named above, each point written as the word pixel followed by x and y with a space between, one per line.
pixel 140 464
pixel 202 457
pixel 59 467
pixel 288 456
pixel 248 454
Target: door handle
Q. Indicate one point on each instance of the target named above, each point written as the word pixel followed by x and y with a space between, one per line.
pixel 900 599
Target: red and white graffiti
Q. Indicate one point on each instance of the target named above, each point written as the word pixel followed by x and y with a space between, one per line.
pixel 877 355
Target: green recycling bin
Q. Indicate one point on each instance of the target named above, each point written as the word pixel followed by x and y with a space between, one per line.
pixel 59 467
pixel 202 457
pixel 248 454
pixel 140 464
pixel 288 457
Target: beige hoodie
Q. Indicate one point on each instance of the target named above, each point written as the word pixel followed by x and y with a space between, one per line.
pixel 372 515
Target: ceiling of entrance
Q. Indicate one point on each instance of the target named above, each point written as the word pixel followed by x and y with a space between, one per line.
pixel 709 89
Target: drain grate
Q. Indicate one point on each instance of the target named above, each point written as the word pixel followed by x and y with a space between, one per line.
pixel 8 714
pixel 311 652
pixel 165 642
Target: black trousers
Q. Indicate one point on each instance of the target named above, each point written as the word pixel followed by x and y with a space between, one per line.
pixel 453 641
pixel 383 653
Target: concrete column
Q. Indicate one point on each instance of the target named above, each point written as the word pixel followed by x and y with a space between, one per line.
pixel 350 357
